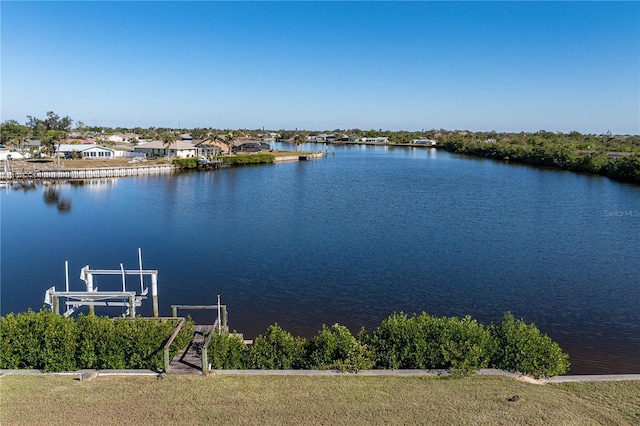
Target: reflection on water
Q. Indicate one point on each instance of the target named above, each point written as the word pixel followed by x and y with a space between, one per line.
pixel 52 197
pixel 55 192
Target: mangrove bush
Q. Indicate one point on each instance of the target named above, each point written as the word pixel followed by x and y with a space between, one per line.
pixel 46 341
pixel 242 159
pixel 51 342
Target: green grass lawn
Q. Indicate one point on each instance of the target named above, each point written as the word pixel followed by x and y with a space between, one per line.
pixel 51 399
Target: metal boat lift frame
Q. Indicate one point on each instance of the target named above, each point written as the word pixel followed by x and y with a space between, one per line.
pixel 92 297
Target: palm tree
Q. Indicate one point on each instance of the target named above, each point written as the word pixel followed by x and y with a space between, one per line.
pixel 299 139
pixel 168 139
pixel 230 141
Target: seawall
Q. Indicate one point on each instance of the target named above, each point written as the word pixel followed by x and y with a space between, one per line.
pixel 86 173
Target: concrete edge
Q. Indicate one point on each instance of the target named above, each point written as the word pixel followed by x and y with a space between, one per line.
pixel 79 372
pixel 594 378
pixel 366 373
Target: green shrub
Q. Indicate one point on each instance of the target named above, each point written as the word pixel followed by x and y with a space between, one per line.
pixel 626 168
pixel 242 159
pixel 227 351
pixel 521 347
pixel 336 348
pixel 10 356
pixel 186 163
pixel 465 345
pixel 276 349
pixel 403 342
pixel 426 342
pixel 98 344
pixel 37 340
pixel 46 341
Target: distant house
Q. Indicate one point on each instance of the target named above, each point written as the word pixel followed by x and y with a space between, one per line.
pixel 249 145
pixel 381 139
pixel 323 137
pixel 86 151
pixel 428 142
pixel 180 149
pixel 118 137
pixel 33 143
pixel 209 147
pixel 7 154
pixel 115 138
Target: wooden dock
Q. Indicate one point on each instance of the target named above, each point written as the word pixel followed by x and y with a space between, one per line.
pixel 309 157
pixel 189 361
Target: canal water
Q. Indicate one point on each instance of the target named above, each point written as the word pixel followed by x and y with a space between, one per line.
pixel 350 239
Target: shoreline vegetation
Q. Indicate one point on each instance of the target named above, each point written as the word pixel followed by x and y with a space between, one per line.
pixel 614 156
pixel 54 343
pixel 617 160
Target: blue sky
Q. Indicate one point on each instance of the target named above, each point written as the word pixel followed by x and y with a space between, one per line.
pixel 504 66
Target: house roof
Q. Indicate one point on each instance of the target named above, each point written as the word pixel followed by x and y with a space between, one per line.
pixel 179 145
pixel 239 142
pixel 66 147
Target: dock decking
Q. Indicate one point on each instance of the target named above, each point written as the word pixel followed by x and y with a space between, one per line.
pixel 190 360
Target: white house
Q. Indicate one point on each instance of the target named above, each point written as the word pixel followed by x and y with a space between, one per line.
pixel 115 138
pixel 180 149
pixel 381 139
pixel 428 142
pixel 87 151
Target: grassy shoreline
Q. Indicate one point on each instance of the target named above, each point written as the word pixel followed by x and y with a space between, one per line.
pixel 50 399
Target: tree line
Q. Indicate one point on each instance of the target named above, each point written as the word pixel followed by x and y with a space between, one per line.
pixel 617 157
pixel 614 156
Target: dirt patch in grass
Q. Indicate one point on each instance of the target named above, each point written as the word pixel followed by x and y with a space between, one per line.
pixel 50 399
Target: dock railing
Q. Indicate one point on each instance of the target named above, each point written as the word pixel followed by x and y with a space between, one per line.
pixel 219 324
pixel 205 354
pixel 167 360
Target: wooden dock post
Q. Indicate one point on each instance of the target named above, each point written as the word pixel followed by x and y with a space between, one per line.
pixel 56 305
pixel 92 308
pixel 223 317
pixel 132 306
pixel 154 295
pixel 205 360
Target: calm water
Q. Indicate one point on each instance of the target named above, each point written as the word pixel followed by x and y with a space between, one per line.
pixel 350 239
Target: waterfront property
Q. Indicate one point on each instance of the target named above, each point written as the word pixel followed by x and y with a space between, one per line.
pixel 427 142
pixel 249 145
pixel 379 140
pixel 210 147
pixel 86 151
pixel 179 148
pixel 353 237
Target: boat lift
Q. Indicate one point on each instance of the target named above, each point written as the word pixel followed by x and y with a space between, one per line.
pixel 92 297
